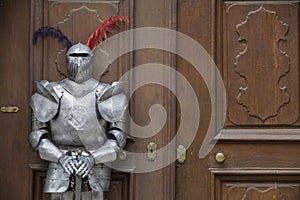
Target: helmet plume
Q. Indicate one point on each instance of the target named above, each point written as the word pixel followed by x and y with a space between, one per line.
pixel 53 32
pixel 107 26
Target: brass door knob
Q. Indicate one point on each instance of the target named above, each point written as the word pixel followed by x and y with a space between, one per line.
pixel 220 157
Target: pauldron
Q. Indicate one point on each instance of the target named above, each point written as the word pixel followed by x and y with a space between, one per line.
pixel 45 102
pixel 111 102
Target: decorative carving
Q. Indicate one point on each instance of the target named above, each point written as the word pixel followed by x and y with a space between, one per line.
pixel 261 191
pixel 258 184
pixel 95 19
pixel 85 1
pixel 189 5
pixel 263 25
pixel 72 11
pixel 60 59
pixel 231 4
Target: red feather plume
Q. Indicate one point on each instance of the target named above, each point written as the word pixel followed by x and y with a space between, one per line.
pixel 107 26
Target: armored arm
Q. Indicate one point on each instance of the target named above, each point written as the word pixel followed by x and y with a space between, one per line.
pixel 112 106
pixel 115 142
pixel 44 107
pixel 44 104
pixel 108 152
pixel 39 141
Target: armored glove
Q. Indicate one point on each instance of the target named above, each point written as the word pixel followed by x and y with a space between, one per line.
pixel 85 165
pixel 67 162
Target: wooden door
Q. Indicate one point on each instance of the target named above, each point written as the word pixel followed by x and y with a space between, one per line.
pixel 255 45
pixel 15 87
pixel 22 171
pixel 77 20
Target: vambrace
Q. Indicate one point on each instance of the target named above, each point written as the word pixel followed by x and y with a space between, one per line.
pixel 119 136
pixel 48 151
pixel 106 153
pixel 35 137
pixel 39 132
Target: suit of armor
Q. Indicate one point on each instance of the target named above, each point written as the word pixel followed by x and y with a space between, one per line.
pixel 78 125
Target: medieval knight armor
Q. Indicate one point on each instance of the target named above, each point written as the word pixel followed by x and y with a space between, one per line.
pixel 78 125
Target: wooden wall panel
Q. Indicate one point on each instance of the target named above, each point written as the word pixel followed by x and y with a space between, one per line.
pixel 260 191
pixel 39 177
pixel 260 61
pixel 77 21
pixel 258 155
pixel 255 184
pixel 119 188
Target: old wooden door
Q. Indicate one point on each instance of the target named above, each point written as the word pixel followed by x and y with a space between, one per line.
pixel 22 171
pixel 15 87
pixel 255 45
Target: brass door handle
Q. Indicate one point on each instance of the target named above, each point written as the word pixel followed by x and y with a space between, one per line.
pixel 9 109
pixel 151 151
pixel 181 154
pixel 220 157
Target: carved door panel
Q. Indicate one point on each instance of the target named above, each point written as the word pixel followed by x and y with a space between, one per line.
pixel 255 45
pixel 77 20
pixel 22 172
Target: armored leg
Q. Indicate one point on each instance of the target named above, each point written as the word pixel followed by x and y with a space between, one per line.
pixel 93 195
pixel 97 195
pixel 62 196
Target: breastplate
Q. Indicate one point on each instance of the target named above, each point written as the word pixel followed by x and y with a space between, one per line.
pixel 78 122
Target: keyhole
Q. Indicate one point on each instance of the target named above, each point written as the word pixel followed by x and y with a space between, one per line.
pixel 151 151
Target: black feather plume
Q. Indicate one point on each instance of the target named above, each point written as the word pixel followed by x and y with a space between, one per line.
pixel 53 32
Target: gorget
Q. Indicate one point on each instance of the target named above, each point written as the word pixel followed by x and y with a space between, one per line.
pixel 79 90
